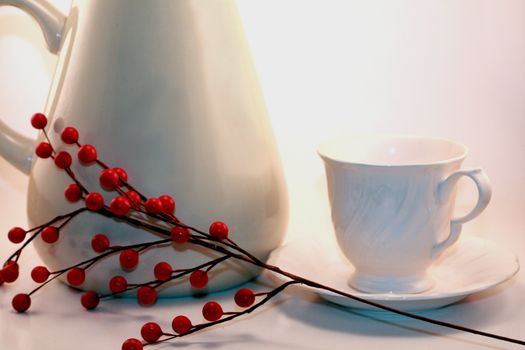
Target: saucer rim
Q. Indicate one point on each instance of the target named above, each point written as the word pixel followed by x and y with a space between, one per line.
pixel 406 297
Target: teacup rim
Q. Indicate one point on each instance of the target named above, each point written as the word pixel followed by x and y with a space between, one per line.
pixel 337 160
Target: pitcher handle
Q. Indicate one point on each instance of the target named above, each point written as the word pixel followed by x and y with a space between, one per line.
pixel 14 147
pixel 50 19
pixel 445 189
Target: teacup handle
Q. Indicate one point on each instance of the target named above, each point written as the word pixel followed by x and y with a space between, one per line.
pixel 14 147
pixel 445 190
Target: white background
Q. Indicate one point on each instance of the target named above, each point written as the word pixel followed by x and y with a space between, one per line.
pixel 453 69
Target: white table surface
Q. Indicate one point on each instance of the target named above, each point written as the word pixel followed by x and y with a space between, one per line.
pixel 297 319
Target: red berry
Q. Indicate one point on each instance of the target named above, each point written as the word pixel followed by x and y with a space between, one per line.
pixel 120 205
pixel 16 235
pixel 76 276
pixel 219 230
pixel 118 284
pixel 129 259
pixel 21 302
pixel 151 332
pixel 134 197
pixel 109 179
pixel 122 174
pixel 69 135
pixel 10 272
pixel 212 311
pixel 181 324
pixel 94 201
pixel 49 234
pixel 73 193
pixel 40 274
pixel 89 300
pixel 163 271
pixel 199 279
pixel 100 242
pixel 153 206
pixel 38 121
pixel 147 295
pixel 244 297
pixel 180 234
pixel 168 204
pixel 63 160
pixel 132 344
pixel 44 150
pixel 87 154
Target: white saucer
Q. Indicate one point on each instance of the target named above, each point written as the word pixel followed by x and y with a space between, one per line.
pixel 471 265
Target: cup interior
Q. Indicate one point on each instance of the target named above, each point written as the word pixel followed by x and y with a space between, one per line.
pixel 392 150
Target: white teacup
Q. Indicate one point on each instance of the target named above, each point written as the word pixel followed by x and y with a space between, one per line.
pixel 392 200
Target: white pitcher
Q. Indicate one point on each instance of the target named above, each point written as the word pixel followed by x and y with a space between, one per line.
pixel 166 90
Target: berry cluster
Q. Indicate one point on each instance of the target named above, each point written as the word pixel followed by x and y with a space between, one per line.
pixel 132 207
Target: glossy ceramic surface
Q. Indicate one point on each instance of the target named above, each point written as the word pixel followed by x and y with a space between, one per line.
pixel 472 265
pixel 166 90
pixel 392 201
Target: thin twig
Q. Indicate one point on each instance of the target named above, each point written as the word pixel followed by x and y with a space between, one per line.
pixel 232 316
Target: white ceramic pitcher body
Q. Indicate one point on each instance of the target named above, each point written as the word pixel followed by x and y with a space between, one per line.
pixel 166 90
